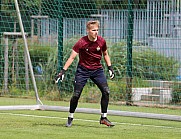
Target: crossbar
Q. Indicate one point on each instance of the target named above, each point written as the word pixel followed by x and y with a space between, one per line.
pixel 94 111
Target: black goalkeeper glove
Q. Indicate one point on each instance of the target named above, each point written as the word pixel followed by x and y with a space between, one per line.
pixel 60 76
pixel 111 72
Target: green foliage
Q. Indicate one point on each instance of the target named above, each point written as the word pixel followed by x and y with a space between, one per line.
pixel 33 3
pixel 147 63
pixel 75 9
pixel 16 71
pixel 176 94
pixel 139 82
pixel 45 58
pixel 150 64
pixel 1 65
pixel 120 4
pixel 90 94
pixel 41 53
pixel 117 90
pixel 17 92
pixel 118 56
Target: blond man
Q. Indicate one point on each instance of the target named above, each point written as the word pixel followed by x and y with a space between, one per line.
pixel 90 50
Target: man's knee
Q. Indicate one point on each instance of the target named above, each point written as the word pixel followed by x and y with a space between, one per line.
pixel 77 92
pixel 105 90
pixel 75 96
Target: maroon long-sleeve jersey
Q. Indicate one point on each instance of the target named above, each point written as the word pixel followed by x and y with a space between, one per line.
pixel 90 53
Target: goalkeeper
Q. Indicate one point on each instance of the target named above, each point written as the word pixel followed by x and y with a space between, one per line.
pixel 90 49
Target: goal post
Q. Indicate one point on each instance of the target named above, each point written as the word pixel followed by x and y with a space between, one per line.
pixel 27 52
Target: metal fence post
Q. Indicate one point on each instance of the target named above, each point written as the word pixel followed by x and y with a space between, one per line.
pixel 129 53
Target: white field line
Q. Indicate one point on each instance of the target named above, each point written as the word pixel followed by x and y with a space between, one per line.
pixel 93 121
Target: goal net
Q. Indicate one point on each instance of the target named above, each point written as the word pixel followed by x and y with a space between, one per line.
pixel 36 38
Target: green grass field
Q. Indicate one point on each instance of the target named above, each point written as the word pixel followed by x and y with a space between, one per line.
pixel 35 124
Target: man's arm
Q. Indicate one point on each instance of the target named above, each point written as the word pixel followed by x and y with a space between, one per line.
pixel 70 60
pixel 60 76
pixel 108 62
pixel 107 58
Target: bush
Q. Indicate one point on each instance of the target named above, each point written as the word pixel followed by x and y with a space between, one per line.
pixel 176 94
pixel 46 58
pixel 44 61
pixel 147 63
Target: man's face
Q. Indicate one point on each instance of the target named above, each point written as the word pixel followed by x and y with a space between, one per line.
pixel 93 32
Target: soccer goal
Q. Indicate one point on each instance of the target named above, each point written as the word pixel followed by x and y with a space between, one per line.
pixel 12 66
pixel 37 37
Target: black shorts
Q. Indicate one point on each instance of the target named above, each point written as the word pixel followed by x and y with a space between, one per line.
pixel 83 74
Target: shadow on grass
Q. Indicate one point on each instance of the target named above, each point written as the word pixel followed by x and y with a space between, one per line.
pixel 73 125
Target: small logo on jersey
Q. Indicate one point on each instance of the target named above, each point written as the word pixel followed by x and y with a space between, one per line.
pixel 98 48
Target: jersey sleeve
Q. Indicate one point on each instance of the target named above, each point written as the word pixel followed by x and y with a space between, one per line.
pixel 77 46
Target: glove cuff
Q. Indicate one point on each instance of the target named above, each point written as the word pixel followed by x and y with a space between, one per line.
pixel 109 67
pixel 63 71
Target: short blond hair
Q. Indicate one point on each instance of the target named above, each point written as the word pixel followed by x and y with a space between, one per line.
pixel 92 22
